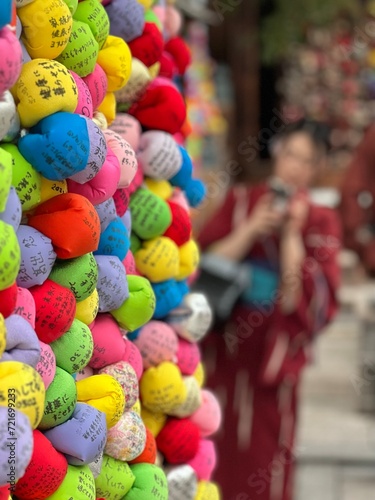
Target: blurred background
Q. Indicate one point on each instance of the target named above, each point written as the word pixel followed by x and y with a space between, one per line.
pixel 259 65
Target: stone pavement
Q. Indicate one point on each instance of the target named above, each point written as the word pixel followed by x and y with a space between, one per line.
pixel 336 440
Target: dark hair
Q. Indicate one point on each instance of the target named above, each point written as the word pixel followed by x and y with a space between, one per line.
pixel 318 132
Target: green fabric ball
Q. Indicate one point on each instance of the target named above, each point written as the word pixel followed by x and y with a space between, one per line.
pixel 61 399
pixel 115 479
pixel 80 275
pixel 151 17
pixel 10 255
pixel 95 16
pixel 78 484
pixel 25 178
pixel 139 307
pixel 150 482
pixel 135 243
pixel 5 177
pixel 151 216
pixel 74 349
pixel 82 51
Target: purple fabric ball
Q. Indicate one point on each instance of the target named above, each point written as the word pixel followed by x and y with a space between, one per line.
pixel 97 153
pixel 12 214
pixel 107 213
pixel 22 343
pixel 37 257
pixel 126 19
pixel 112 284
pixel 127 220
pixel 18 449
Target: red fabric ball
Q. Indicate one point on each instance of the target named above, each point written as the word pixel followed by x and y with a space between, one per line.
pixel 180 52
pixel 55 308
pixel 148 455
pixel 121 199
pixel 8 300
pixel 45 472
pixel 161 107
pixel 178 441
pixel 168 67
pixel 4 492
pixel 180 229
pixel 148 47
pixel 136 182
pixel 71 222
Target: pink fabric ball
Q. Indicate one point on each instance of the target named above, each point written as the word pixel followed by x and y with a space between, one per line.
pixel 103 186
pixel 204 461
pixel 97 83
pixel 208 415
pixel 157 342
pixel 25 305
pixel 85 373
pixel 133 357
pixel 129 264
pixel 173 22
pixel 128 128
pixel 188 356
pixel 84 106
pixel 109 346
pixel 10 60
pixel 46 366
pixel 125 155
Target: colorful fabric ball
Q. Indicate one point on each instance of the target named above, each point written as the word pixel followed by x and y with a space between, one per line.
pixel 126 440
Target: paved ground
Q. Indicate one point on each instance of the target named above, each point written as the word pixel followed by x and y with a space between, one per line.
pixel 336 445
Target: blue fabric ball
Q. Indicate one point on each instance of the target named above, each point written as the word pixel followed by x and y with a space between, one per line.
pixel 168 296
pixel 58 146
pixel 183 176
pixel 195 192
pixel 114 240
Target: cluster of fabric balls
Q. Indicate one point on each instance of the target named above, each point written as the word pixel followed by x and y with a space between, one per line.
pixel 101 385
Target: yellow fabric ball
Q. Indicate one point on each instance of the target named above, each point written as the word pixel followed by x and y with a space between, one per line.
pixel 3 335
pixel 162 388
pixel 200 374
pixel 27 388
pixel 39 93
pixel 162 188
pixel 108 107
pixel 207 490
pixel 116 60
pixel 146 3
pixel 87 309
pixel 158 259
pixel 136 407
pixel 189 259
pixel 104 393
pixel 50 189
pixel 153 421
pixel 47 25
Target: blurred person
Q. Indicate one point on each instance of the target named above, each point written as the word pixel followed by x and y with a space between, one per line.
pixel 357 206
pixel 291 246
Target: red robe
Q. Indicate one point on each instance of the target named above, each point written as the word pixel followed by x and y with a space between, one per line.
pixel 360 181
pixel 254 365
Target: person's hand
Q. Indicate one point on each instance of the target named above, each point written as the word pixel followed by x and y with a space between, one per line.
pixel 265 218
pixel 297 213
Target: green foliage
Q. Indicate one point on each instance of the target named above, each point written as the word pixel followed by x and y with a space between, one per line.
pixel 288 22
